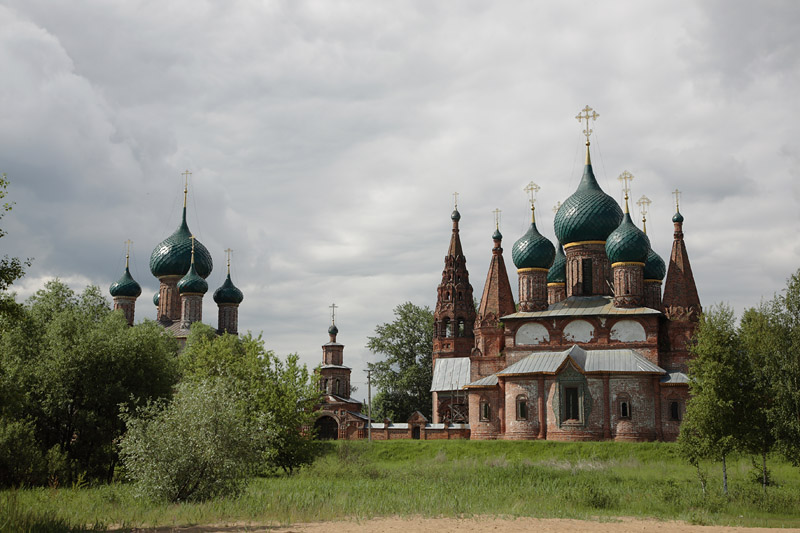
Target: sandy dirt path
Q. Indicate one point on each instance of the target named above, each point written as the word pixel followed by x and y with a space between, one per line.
pixel 470 525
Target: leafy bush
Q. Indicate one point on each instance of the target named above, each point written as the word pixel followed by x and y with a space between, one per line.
pixel 21 460
pixel 197 447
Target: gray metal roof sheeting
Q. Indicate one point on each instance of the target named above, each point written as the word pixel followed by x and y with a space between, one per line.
pixel 450 373
pixel 675 378
pixel 588 360
pixel 488 381
pixel 584 306
pixel 336 366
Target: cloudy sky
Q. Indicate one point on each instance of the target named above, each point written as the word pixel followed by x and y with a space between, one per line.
pixel 325 140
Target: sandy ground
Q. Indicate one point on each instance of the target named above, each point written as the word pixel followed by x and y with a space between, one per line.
pixel 469 525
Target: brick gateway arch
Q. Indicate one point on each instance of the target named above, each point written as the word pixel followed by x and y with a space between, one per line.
pixel 326 428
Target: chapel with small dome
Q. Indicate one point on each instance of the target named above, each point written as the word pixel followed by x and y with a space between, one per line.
pixel 181 264
pixel 592 350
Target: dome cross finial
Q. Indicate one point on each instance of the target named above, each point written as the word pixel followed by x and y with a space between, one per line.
pixel 586 114
pixel 128 252
pixel 455 200
pixel 333 307
pixel 677 194
pixel 625 178
pixel 644 205
pixel 185 185
pixel 192 237
pixel 531 188
pixel 228 251
pixel 497 218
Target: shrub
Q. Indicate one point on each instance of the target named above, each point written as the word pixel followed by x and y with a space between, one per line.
pixel 21 461
pixel 197 447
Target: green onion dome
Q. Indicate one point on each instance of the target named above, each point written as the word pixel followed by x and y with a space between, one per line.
pixel 156 298
pixel 497 236
pixel 558 272
pixel 192 283
pixel 654 267
pixel 677 217
pixel 228 293
pixel 533 250
pixel 627 243
pixel 333 330
pixel 173 255
pixel 455 215
pixel 589 214
pixel 125 286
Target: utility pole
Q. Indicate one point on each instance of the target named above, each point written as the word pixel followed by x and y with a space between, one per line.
pixel 369 405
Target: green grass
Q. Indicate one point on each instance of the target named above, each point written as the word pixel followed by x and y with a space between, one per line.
pixel 455 478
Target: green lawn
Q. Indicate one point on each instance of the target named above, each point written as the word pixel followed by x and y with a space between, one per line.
pixel 452 478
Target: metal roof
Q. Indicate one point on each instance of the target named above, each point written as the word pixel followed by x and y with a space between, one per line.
pixel 488 381
pixel 450 373
pixel 336 366
pixel 584 306
pixel 587 360
pixel 675 378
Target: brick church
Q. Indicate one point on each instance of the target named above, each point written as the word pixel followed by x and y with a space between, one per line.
pixel 593 351
pixel 181 264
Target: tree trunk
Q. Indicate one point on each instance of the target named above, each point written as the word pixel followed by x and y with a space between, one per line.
pixel 724 476
pixel 764 470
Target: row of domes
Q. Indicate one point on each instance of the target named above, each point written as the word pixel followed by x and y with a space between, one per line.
pixel 173 257
pixel 589 214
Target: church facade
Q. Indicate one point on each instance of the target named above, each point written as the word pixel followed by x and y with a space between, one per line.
pixel 595 350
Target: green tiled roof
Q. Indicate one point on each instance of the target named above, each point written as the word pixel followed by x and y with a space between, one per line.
pixel 125 286
pixel 677 217
pixel 627 243
pixel 192 282
pixel 558 272
pixel 156 298
pixel 333 330
pixel 173 255
pixel 228 293
pixel 589 214
pixel 654 267
pixel 533 250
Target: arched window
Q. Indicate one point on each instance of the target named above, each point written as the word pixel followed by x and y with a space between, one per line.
pixel 324 385
pixel 624 406
pixel 485 410
pixel 674 410
pixel 338 392
pixel 460 327
pixel 448 328
pixel 522 407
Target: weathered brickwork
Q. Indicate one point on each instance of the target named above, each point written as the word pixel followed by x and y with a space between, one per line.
pixel 628 284
pixel 191 309
pixel 590 258
pixel 556 292
pixel 128 306
pixel 532 289
pixel 228 318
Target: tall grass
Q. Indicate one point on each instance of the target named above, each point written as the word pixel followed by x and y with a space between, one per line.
pixel 460 478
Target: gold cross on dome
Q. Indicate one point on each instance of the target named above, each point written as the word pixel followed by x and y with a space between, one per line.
pixel 333 313
pixel 644 204
pixel 531 188
pixel 497 218
pixel 455 199
pixel 677 194
pixel 128 251
pixel 586 114
pixel 626 178
pixel 228 252
pixel 185 185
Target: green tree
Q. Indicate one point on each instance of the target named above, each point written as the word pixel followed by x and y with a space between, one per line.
pixel 67 363
pixel 760 340
pixel 404 376
pixel 717 411
pixel 196 447
pixel 278 397
pixel 11 268
pixel 772 333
